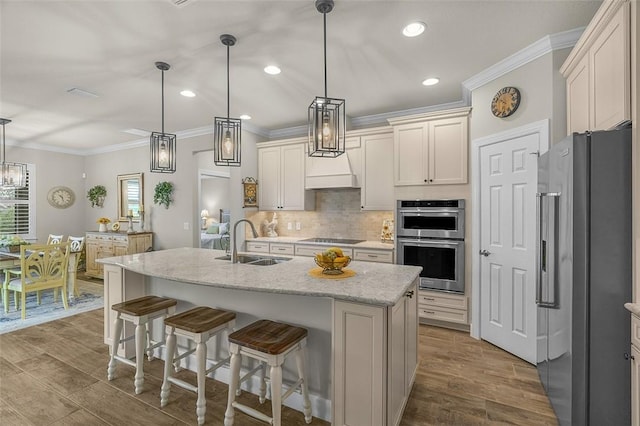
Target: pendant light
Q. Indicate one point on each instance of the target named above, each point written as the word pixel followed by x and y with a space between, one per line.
pixel 163 145
pixel 14 175
pixel 227 131
pixel 326 115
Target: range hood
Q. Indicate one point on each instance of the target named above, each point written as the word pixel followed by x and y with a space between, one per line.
pixel 326 172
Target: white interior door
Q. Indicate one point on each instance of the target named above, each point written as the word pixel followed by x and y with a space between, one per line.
pixel 508 181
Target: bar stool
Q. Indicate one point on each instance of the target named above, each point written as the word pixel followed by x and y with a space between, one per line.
pixel 269 342
pixel 198 324
pixel 140 312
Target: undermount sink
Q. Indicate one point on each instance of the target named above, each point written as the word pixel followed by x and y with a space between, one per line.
pixel 256 260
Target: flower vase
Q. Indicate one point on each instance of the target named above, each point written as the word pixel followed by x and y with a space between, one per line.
pixel 102 227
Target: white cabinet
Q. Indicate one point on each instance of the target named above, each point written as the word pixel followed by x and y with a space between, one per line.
pixel 281 248
pixel 377 190
pixel 635 370
pixel 373 255
pixel 311 250
pixel 281 178
pixel 375 361
pixel 257 247
pixel 431 150
pixel 447 307
pixel 598 71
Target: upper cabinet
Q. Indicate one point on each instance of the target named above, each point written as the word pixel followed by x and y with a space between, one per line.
pixel 598 71
pixel 377 191
pixel 431 149
pixel 281 177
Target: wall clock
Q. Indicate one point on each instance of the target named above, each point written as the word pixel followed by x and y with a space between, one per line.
pixel 61 197
pixel 505 102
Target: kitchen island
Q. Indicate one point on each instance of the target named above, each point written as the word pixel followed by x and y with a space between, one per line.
pixel 362 342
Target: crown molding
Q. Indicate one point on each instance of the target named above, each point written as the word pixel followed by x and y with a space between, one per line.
pixel 522 57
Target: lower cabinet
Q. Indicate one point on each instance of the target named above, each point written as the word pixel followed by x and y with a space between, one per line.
pixel 311 250
pixel 635 370
pixel 374 380
pixel 108 244
pixel 443 306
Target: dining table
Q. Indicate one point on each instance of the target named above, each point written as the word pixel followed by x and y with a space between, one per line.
pixel 11 260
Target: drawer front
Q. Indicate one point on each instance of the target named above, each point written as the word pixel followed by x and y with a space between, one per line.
pixel 373 255
pixel 276 248
pixel 445 300
pixel 635 331
pixel 442 314
pixel 307 250
pixel 121 239
pixel 257 247
pixel 99 237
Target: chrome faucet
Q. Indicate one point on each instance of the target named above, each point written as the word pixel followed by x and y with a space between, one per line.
pixel 234 255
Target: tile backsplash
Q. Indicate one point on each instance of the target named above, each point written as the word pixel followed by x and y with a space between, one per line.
pixel 337 215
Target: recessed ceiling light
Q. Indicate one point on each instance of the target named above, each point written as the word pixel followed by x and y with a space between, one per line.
pixel 414 29
pixel 245 117
pixel 188 94
pixel 272 69
pixel 431 81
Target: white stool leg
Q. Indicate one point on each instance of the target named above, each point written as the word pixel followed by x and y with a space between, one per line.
pixel 306 404
pixel 236 360
pixel 263 383
pixel 140 340
pixel 276 394
pixel 201 403
pixel 166 384
pixel 115 342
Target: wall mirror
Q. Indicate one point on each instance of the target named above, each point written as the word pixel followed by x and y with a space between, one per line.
pixel 130 196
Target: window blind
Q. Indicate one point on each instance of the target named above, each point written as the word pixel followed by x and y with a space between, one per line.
pixel 17 208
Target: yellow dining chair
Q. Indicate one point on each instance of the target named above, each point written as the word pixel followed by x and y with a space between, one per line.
pixel 76 246
pixel 42 267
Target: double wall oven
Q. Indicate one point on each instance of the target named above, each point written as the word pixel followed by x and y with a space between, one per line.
pixel 430 233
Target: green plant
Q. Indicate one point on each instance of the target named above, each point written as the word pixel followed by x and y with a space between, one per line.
pixel 96 195
pixel 162 194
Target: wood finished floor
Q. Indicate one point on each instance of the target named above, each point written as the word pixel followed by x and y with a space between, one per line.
pixel 55 374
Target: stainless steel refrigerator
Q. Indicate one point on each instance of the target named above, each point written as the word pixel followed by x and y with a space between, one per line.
pixel 584 277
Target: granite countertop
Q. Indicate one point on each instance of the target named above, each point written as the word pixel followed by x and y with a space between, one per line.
pixel 374 283
pixel 634 308
pixel 298 240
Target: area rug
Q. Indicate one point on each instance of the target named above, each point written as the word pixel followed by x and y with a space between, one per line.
pixel 91 297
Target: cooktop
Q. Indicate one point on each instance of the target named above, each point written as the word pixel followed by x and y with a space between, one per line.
pixel 332 240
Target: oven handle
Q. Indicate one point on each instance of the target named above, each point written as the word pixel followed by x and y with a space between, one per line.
pixel 402 240
pixel 439 212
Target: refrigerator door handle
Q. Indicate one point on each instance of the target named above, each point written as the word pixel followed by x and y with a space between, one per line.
pixel 542 248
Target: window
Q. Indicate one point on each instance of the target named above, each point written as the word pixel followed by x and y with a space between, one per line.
pixel 18 209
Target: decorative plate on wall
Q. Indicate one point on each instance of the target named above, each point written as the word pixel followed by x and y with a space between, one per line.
pixel 61 197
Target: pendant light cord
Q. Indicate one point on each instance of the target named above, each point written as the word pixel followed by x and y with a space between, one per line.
pixel 228 115
pixel 324 16
pixel 163 102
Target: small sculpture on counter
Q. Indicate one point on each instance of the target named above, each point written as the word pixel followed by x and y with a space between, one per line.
pixel 386 235
pixel 271 226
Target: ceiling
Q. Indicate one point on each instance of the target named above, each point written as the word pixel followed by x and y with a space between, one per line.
pixel 109 48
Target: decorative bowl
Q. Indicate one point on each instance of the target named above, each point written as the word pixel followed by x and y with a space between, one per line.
pixel 332 267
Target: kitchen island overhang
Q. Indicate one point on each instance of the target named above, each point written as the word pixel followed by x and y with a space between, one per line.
pixel 366 309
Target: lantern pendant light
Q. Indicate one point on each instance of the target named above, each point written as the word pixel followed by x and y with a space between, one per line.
pixel 14 175
pixel 227 131
pixel 163 145
pixel 326 115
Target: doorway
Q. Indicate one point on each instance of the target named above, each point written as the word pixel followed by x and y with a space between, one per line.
pixel 503 254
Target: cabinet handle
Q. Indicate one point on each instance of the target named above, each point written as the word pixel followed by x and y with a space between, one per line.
pixel 429 312
pixel 430 180
pixel 375 256
pixel 429 298
pixel 425 180
pixel 628 357
pixel 409 294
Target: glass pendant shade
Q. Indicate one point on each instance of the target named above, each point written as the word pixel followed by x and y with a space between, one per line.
pixel 14 175
pixel 227 132
pixel 163 152
pixel 326 127
pixel 227 143
pixel 163 145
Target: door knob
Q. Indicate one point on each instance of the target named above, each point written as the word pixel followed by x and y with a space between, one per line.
pixel 485 253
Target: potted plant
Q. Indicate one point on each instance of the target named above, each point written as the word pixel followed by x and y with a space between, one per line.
pixel 11 243
pixel 96 195
pixel 162 194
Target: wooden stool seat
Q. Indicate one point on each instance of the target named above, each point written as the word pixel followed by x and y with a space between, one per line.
pixel 197 325
pixel 144 305
pixel 270 337
pixel 270 343
pixel 140 312
pixel 199 319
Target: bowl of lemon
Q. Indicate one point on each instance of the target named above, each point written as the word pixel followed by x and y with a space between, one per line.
pixel 332 260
